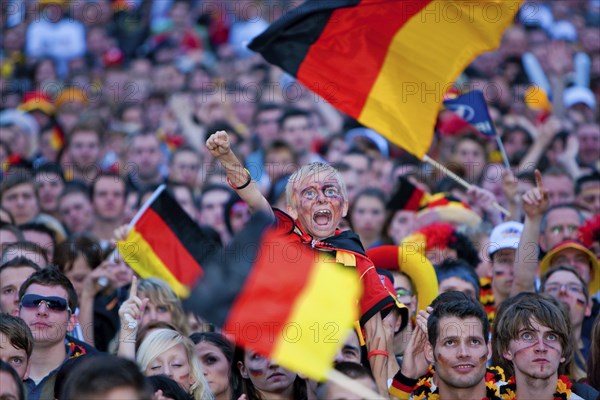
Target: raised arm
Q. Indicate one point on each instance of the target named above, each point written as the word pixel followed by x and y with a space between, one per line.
pixel 219 146
pixel 535 203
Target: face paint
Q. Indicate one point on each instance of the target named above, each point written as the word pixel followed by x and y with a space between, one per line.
pixel 536 352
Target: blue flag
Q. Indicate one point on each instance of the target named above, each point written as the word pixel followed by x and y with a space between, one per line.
pixel 471 107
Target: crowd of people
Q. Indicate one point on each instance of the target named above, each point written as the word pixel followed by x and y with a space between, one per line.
pixel 105 100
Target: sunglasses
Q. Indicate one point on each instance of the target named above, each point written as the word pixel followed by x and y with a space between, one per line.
pixel 53 303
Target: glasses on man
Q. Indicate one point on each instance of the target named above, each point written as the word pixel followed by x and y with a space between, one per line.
pixel 555 288
pixel 53 303
pixel 560 229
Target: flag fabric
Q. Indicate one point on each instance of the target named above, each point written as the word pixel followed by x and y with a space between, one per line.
pixel 386 63
pixel 57 138
pixel 472 108
pixel 286 301
pixel 164 242
pixel 406 196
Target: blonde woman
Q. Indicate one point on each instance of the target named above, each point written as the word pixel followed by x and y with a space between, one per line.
pixel 163 304
pixel 150 300
pixel 167 352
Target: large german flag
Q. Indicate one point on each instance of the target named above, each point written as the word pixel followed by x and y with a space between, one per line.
pixel 164 242
pixel 386 63
pixel 284 300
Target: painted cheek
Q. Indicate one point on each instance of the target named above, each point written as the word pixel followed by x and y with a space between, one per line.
pixel 580 303
pixel 256 373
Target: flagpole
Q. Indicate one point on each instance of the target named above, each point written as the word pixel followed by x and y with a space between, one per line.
pixel 146 205
pixel 503 152
pixel 461 181
pixel 350 384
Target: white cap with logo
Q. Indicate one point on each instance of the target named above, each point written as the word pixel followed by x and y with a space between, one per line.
pixel 505 236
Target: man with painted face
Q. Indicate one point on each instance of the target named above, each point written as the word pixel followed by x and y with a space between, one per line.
pixel 534 336
pixel 316 203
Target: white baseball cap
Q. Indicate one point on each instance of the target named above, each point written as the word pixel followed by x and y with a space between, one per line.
pixel 505 236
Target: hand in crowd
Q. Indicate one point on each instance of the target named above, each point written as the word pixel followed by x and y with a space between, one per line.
pixel 414 362
pixel 132 309
pixel 481 198
pixel 569 155
pixel 218 144
pixel 510 186
pixel 120 233
pixel 94 281
pixel 535 200
pixel 548 130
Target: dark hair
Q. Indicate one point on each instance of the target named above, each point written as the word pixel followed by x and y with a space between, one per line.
pixel 86 126
pixel 98 375
pixel 460 269
pixel 13 179
pixel 368 192
pixel 211 188
pixel 168 386
pixel 234 198
pixel 50 168
pixel 519 314
pixel 183 149
pixel 247 387
pixel 108 175
pixel 37 227
pixel 78 245
pixel 24 245
pixel 459 305
pixel 291 113
pixel 17 332
pixel 593 176
pixel 465 249
pixel 350 369
pixel 216 339
pixel 6 367
pixel 19 262
pixel 593 365
pixel 51 276
pixel 263 107
pixel 75 187
pixel 473 138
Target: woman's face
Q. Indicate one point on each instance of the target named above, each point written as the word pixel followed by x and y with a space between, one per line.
pixel 214 366
pixel 265 375
pixel 402 225
pixel 470 154
pixel 173 363
pixel 368 216
pixel 154 312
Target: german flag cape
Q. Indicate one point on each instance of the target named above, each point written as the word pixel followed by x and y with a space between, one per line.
pixel 164 242
pixel 282 299
pixel 386 63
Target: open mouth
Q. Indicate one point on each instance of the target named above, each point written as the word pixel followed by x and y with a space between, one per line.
pixel 322 217
pixel 464 367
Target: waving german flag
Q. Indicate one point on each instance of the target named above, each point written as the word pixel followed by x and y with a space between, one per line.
pixel 386 63
pixel 282 299
pixel 164 242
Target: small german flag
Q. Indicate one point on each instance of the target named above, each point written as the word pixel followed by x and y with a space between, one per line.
pixel 284 300
pixel 386 63
pixel 164 242
pixel 57 138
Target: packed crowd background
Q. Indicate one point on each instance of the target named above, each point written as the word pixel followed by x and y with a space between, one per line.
pixel 103 101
